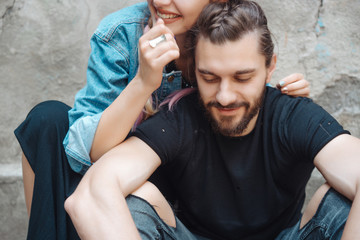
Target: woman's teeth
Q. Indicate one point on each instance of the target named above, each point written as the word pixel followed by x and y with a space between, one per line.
pixel 167 16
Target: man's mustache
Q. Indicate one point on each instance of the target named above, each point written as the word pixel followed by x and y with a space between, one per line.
pixel 230 106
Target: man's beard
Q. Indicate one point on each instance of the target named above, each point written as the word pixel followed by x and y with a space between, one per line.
pixel 225 125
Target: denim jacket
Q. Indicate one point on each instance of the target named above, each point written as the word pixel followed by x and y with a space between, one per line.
pixel 113 63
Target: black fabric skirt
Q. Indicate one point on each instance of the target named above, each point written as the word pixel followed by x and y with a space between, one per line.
pixel 40 137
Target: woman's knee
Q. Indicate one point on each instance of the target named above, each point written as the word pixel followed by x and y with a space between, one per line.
pixel 152 195
pixel 42 131
pixel 49 111
pixel 49 117
pixel 314 203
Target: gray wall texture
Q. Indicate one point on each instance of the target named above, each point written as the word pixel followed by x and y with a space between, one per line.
pixel 44 47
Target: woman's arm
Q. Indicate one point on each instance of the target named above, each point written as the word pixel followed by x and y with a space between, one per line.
pixel 118 119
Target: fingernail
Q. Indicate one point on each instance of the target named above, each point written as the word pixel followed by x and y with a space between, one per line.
pixel 282 83
pixel 284 90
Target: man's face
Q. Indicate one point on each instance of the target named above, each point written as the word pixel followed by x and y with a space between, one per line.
pixel 231 79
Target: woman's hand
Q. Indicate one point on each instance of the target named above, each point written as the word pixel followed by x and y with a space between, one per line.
pixel 152 59
pixel 294 85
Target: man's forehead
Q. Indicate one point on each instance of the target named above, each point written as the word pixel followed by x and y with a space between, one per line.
pixel 229 56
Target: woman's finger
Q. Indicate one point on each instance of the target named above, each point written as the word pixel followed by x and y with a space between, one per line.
pixel 157 30
pixel 305 92
pixel 300 84
pixel 289 79
pixel 153 50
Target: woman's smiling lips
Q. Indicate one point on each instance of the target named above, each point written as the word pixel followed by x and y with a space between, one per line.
pixel 168 17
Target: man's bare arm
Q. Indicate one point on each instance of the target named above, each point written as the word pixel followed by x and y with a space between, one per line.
pixel 339 162
pixel 97 207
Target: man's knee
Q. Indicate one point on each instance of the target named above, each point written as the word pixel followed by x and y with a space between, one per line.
pixel 154 197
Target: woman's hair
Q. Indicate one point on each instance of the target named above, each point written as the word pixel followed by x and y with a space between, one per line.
pixel 150 108
pixel 220 22
pixel 170 101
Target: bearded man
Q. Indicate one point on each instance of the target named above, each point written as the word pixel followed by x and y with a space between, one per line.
pixel 236 153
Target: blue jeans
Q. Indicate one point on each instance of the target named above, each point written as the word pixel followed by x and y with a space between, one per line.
pixel 327 223
pixel 150 225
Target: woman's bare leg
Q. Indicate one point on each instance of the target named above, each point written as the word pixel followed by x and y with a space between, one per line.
pixel 152 194
pixel 314 203
pixel 28 180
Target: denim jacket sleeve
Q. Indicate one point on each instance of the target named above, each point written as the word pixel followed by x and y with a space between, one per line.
pixel 112 64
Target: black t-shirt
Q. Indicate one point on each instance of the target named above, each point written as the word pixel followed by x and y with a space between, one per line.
pixel 249 187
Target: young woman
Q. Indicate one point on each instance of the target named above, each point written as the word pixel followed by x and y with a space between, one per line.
pixel 134 58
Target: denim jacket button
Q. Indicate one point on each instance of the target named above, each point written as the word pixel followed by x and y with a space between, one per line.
pixel 171 78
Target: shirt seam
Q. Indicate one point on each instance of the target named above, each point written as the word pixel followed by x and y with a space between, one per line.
pixel 108 36
pixel 325 141
pixel 77 157
pixel 120 50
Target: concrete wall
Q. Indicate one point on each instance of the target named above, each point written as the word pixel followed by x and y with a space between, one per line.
pixel 44 46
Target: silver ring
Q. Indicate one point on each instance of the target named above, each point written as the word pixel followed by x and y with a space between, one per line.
pixel 154 42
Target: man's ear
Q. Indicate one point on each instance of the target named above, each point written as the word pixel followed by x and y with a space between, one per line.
pixel 271 68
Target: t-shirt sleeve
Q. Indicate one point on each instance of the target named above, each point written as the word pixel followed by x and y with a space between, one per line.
pixel 163 133
pixel 306 128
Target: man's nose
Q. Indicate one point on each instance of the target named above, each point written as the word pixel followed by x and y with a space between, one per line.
pixel 226 94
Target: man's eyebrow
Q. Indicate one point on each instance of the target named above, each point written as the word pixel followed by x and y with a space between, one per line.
pixel 239 72
pixel 203 71
pixel 245 71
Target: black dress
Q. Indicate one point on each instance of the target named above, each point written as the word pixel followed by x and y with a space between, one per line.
pixel 40 137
